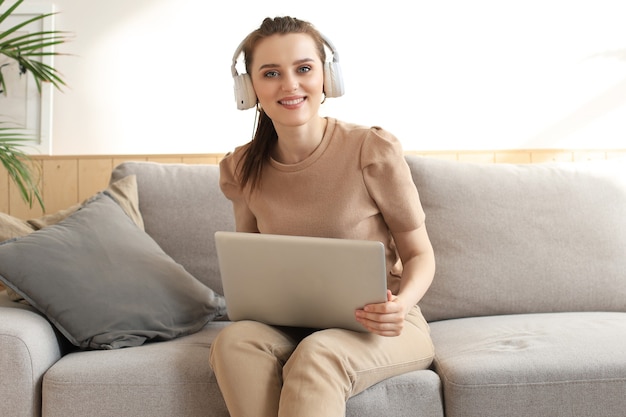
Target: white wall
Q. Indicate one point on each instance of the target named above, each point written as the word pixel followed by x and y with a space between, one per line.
pixel 153 76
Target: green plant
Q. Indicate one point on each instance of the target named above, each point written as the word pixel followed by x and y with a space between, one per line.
pixel 27 50
pixel 19 165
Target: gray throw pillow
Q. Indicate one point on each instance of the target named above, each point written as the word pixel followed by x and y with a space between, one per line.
pixel 104 283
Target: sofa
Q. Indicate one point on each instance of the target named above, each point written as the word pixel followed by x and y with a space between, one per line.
pixel 527 309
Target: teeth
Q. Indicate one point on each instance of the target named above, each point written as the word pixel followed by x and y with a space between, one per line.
pixel 292 102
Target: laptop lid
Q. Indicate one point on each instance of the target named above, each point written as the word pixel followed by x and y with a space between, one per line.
pixel 300 281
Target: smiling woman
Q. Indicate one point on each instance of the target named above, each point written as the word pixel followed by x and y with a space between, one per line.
pixel 308 175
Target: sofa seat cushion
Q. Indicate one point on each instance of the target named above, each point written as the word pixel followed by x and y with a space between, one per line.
pixel 416 393
pixel 174 378
pixel 163 379
pixel 566 364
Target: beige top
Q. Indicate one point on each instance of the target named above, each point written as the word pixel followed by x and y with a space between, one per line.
pixel 355 185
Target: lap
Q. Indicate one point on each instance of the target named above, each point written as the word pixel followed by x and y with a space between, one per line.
pixel 363 350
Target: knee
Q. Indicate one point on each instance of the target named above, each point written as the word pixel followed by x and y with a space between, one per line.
pixel 234 334
pixel 232 338
pixel 319 359
pixel 319 349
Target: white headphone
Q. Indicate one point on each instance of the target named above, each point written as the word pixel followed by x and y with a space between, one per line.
pixel 246 97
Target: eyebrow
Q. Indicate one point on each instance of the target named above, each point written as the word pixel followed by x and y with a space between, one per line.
pixel 298 62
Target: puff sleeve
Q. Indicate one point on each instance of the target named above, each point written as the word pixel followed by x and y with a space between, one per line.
pixel 389 182
pixel 245 221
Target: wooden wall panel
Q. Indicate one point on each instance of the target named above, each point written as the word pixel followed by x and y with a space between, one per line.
pixel 166 159
pixel 17 206
pixel 118 160
pixel 4 190
pixel 615 154
pixel 60 183
pixel 68 180
pixel 93 176
pixel 207 159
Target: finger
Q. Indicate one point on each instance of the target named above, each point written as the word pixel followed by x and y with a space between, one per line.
pixel 380 321
pixel 383 329
pixel 383 309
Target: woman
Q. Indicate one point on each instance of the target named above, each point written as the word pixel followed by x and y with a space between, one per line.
pixel 304 174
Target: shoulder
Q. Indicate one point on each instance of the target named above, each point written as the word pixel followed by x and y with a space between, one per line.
pixel 231 160
pixel 234 156
pixel 377 145
pixel 371 135
pixel 229 182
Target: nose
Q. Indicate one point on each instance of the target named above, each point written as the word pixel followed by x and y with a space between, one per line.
pixel 290 83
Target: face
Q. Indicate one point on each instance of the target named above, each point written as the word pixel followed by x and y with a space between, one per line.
pixel 288 78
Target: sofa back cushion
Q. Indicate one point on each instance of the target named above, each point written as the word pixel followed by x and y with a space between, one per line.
pixel 182 207
pixel 524 238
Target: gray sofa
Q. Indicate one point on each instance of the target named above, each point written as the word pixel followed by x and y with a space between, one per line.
pixel 527 309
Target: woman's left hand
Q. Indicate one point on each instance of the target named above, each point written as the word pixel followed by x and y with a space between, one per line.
pixel 384 319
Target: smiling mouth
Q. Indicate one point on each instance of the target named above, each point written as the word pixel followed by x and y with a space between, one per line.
pixel 292 102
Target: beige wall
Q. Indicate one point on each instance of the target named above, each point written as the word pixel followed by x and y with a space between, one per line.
pixel 153 77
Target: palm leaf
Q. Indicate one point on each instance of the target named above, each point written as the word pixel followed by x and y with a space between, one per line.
pixel 27 48
pixel 10 10
pixel 18 164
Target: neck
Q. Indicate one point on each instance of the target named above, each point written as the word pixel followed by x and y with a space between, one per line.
pixel 295 144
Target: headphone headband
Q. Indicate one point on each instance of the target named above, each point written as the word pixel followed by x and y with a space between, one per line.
pixel 238 52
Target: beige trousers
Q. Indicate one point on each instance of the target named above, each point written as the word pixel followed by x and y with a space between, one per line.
pixel 267 371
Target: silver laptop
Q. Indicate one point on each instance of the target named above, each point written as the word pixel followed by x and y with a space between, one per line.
pixel 300 281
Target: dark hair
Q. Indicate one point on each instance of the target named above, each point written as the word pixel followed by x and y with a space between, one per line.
pixel 260 148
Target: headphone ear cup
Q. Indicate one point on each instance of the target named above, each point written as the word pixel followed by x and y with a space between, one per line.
pixel 244 92
pixel 333 80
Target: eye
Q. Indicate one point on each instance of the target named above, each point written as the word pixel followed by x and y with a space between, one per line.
pixel 271 74
pixel 304 68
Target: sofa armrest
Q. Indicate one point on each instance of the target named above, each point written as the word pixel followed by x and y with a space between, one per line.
pixel 29 346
